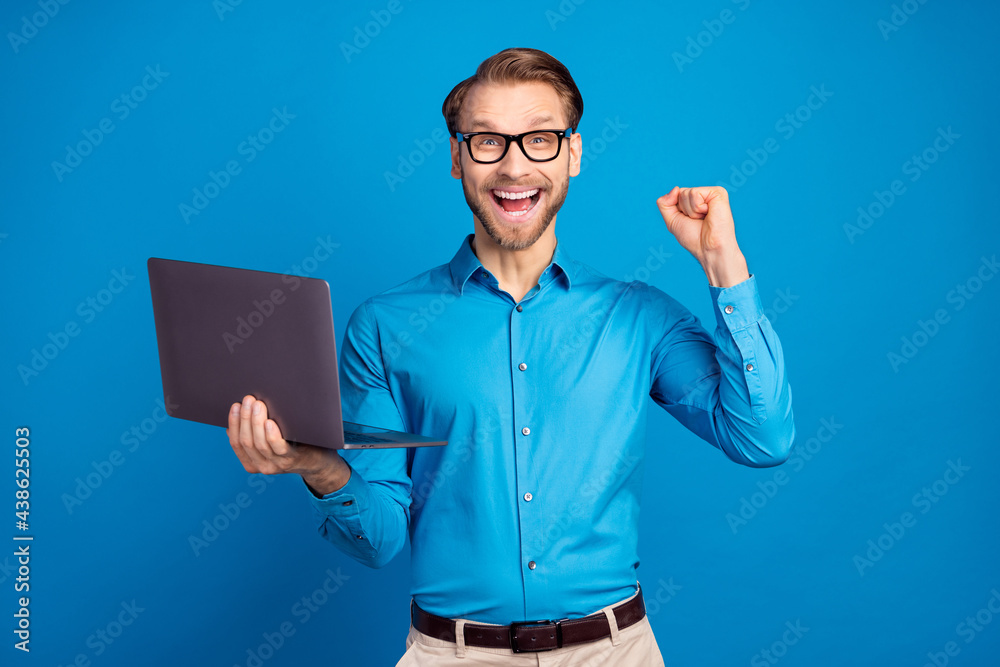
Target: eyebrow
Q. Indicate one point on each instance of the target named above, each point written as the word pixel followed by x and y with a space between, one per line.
pixel 482 124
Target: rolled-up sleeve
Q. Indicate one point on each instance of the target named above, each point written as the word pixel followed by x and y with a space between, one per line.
pixel 730 388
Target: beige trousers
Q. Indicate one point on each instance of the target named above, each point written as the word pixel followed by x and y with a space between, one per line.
pixel 635 646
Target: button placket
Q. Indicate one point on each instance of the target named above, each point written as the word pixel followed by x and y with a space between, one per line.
pixel 528 517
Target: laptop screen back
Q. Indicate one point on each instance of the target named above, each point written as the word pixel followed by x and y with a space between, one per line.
pixel 225 332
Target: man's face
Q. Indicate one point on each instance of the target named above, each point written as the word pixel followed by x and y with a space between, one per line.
pixel 494 192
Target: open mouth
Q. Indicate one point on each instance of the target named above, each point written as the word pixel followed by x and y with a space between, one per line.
pixel 516 203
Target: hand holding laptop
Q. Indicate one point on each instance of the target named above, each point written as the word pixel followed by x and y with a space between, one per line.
pixel 258 444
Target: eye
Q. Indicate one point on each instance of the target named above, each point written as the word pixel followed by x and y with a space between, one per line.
pixel 541 139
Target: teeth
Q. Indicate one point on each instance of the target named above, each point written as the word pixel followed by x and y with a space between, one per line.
pixel 515 195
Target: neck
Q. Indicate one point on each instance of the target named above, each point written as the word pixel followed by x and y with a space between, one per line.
pixel 517 271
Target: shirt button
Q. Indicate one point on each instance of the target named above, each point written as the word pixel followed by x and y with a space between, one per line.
pixel 528 496
pixel 347 502
pixel 749 367
pixel 531 565
pixel 729 310
pixel 522 366
pixel 525 430
pixel 519 308
pixel 360 537
pixel 485 275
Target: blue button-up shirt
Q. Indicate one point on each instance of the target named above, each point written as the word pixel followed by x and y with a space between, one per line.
pixel 531 510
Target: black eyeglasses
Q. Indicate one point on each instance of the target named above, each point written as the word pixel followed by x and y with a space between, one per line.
pixel 537 146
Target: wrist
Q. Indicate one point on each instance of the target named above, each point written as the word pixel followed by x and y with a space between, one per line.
pixel 329 475
pixel 725 267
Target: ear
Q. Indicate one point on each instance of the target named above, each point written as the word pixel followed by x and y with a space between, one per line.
pixel 575 153
pixel 456 157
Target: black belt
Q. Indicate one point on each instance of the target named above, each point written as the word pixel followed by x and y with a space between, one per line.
pixel 532 636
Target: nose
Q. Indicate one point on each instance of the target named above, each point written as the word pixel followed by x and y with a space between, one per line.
pixel 515 163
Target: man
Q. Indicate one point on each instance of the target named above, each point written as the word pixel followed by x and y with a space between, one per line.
pixel 536 368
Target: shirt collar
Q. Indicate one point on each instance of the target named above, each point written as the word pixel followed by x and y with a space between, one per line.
pixel 465 263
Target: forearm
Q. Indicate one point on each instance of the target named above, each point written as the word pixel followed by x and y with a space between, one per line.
pixel 753 418
pixel 728 387
pixel 364 509
pixel 333 474
pixel 366 520
pixel 725 266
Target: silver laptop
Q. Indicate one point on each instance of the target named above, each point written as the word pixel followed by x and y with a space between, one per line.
pixel 224 333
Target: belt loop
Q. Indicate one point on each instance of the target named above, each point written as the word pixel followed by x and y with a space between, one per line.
pixel 613 624
pixel 460 638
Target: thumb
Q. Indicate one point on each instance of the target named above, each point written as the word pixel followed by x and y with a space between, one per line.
pixel 668 202
pixel 668 208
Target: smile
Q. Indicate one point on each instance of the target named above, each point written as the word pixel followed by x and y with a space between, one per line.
pixel 515 203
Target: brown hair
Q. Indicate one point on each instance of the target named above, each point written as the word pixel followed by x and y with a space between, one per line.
pixel 517 65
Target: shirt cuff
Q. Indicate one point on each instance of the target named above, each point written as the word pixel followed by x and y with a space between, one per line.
pixel 737 307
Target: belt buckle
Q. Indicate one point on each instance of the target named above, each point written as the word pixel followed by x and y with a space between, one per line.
pixel 516 648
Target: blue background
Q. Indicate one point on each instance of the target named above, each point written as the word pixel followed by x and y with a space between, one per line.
pixel 720 592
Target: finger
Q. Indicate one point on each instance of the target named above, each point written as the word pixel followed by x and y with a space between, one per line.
pixel 257 424
pixel 234 440
pixel 716 192
pixel 246 456
pixel 246 429
pixel 697 203
pixel 278 444
pixel 246 435
pixel 700 197
pixel 668 207
pixel 684 201
pixel 689 204
pixel 267 438
pixel 233 430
